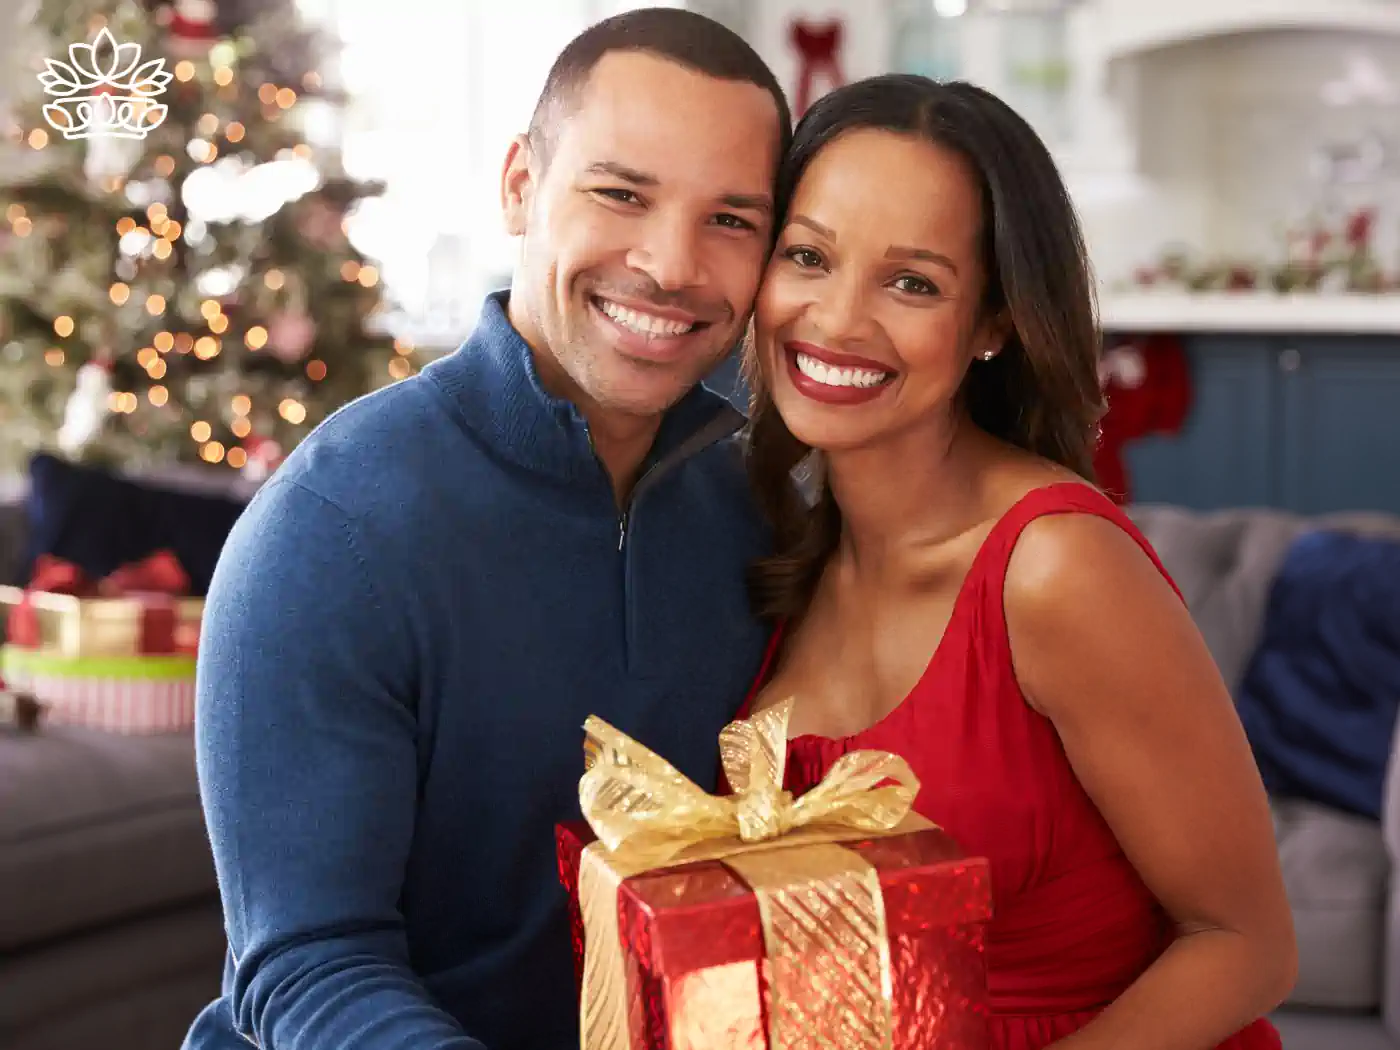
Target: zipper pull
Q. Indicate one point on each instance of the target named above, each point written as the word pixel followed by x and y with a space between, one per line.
pixel 621 531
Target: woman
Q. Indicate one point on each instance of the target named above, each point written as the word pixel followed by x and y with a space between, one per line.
pixel 961 595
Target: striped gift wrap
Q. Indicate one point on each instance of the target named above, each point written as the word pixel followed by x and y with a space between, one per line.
pixel 119 694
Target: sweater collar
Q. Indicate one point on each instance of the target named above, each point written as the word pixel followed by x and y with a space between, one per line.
pixel 493 383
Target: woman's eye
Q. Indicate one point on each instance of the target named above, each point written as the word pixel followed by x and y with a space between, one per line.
pixel 915 285
pixel 804 258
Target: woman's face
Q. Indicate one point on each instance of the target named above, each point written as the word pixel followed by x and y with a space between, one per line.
pixel 868 317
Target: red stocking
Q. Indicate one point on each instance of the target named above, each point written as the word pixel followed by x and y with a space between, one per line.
pixel 1147 384
pixel 818 48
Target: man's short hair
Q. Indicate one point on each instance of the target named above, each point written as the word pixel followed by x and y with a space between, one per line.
pixel 691 40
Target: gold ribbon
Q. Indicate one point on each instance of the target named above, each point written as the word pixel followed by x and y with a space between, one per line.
pixel 820 904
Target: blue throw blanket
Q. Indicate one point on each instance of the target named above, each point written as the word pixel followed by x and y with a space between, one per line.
pixel 1319 698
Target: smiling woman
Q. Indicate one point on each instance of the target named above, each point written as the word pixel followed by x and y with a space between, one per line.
pixel 960 595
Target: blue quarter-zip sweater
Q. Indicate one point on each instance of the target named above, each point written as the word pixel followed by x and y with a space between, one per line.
pixel 406 630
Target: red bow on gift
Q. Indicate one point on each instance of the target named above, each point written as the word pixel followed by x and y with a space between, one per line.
pixel 158 580
pixel 159 573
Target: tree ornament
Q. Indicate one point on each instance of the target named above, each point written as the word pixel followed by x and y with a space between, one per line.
pixel 87 407
pixel 264 456
pixel 291 331
pixel 192 31
pixel 320 223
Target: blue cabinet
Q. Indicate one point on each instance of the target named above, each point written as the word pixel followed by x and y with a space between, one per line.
pixel 1307 423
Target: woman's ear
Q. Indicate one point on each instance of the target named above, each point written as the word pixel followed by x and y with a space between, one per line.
pixel 993 334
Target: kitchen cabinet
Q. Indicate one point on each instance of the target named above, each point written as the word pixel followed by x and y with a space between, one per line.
pixel 1306 423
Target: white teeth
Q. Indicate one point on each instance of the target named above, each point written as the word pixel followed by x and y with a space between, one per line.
pixel 862 377
pixel 643 324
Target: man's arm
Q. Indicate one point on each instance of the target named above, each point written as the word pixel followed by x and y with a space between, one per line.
pixel 308 773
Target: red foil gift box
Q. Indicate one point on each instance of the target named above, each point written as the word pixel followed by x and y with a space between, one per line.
pixel 836 932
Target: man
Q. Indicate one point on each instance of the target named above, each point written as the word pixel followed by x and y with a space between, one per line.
pixel 414 617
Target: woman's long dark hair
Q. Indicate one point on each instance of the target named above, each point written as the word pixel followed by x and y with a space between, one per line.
pixel 1040 393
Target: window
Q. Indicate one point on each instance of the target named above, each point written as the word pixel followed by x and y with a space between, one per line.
pixel 437 91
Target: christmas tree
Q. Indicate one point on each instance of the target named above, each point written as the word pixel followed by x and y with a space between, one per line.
pixel 176 283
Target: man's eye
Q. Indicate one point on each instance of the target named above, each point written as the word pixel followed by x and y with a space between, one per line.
pixel 805 258
pixel 733 222
pixel 620 196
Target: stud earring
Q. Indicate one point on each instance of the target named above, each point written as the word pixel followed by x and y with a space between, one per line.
pixel 987 355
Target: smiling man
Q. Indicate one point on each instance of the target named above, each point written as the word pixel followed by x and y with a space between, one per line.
pixel 415 615
pixel 643 195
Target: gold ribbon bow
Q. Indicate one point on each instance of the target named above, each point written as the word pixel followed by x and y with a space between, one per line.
pixel 820 904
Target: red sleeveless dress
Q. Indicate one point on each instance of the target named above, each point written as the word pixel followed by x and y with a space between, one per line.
pixel 1073 925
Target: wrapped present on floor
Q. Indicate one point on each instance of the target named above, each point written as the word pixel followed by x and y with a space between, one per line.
pixel 121 694
pixel 762 922
pixel 115 654
pixel 140 609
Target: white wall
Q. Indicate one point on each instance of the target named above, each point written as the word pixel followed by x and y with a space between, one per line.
pixel 1225 131
pixel 1230 129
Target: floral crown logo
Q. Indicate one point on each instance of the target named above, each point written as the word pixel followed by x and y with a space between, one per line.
pixel 103 92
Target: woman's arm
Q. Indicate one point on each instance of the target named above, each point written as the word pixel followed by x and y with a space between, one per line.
pixel 1105 649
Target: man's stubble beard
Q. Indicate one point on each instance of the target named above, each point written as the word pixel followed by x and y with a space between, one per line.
pixel 586 369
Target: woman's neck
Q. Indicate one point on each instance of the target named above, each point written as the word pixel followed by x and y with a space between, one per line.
pixel 899 498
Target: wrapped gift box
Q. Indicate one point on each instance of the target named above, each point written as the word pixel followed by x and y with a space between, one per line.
pixel 115 654
pixel 84 627
pixel 140 609
pixel 841 920
pixel 121 694
pixel 697 959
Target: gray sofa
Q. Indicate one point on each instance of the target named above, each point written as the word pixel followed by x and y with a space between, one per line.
pixel 111 937
pixel 110 930
pixel 1338 868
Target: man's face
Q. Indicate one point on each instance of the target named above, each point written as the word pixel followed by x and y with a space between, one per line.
pixel 646 230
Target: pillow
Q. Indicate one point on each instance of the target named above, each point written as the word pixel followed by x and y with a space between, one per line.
pixel 1319 698
pixel 100 521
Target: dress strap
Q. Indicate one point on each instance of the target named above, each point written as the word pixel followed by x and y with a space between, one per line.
pixel 1067 497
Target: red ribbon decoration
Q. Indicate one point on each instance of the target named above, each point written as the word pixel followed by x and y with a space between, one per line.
pixel 159 573
pixel 817 50
pixel 158 580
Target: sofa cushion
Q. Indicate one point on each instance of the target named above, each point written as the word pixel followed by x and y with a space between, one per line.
pixel 1336 867
pixel 1320 696
pixel 95 828
pixel 1224 563
pixel 131 986
pixel 100 520
pixel 1336 872
pixel 14 534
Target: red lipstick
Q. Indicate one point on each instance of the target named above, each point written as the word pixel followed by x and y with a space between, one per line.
pixel 827 393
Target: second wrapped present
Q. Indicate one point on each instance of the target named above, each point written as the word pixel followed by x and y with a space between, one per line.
pixel 141 609
pixel 759 921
